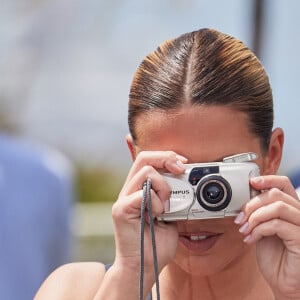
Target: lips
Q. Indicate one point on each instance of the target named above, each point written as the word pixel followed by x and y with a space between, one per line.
pixel 199 242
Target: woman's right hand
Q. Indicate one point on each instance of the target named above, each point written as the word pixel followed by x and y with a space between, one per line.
pixel 126 211
pixel 123 276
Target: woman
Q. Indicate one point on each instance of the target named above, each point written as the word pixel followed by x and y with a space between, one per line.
pixel 198 98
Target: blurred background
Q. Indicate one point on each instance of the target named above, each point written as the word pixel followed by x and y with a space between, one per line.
pixel 66 68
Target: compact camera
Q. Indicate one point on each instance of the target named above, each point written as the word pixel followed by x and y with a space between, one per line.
pixel 211 190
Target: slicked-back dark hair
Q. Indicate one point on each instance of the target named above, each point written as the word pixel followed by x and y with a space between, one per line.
pixel 204 67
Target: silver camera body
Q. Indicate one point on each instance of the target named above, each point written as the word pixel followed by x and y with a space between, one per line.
pixel 211 190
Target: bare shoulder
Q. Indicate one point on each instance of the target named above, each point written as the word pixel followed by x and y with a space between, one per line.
pixel 72 281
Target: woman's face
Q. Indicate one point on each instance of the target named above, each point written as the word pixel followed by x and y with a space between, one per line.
pixel 202 134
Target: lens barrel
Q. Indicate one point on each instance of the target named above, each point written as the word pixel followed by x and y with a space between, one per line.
pixel 213 192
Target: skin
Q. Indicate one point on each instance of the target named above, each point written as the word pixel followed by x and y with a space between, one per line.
pixel 257 255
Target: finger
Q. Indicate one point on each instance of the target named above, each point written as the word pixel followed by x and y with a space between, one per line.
pixel 282 183
pixel 287 232
pixel 276 210
pixel 156 204
pixel 167 160
pixel 158 183
pixel 130 206
pixel 265 198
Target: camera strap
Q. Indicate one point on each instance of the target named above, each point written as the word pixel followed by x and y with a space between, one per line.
pixel 147 201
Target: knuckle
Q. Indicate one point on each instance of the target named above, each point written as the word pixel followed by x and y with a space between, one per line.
pixel 147 170
pixel 120 210
pixel 275 193
pixel 250 206
pixel 279 205
pixel 171 154
pixel 116 210
pixel 253 219
pixel 141 156
pixel 285 180
pixel 276 223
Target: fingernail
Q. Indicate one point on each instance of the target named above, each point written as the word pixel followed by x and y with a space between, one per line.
pixel 247 238
pixel 180 157
pixel 167 205
pixel 244 227
pixel 180 164
pixel 257 179
pixel 239 218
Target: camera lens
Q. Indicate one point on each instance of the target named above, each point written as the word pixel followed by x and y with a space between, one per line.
pixel 213 193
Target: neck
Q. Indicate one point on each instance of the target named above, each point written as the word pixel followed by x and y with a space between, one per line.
pixel 239 280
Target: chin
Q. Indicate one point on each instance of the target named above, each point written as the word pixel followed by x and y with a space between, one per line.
pixel 206 264
pixel 199 266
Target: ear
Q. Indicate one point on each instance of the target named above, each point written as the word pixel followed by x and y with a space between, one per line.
pixel 274 155
pixel 131 146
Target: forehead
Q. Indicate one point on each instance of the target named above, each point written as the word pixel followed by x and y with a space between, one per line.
pixel 201 133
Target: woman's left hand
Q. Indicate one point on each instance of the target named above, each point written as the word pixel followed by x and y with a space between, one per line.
pixel 272 221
